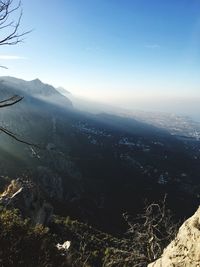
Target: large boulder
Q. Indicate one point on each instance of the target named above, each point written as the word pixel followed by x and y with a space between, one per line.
pixel 184 250
pixel 28 199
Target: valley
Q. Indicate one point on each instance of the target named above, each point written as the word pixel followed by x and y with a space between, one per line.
pixel 95 167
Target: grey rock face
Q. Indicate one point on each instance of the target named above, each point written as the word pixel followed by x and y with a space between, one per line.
pixel 184 250
pixel 26 197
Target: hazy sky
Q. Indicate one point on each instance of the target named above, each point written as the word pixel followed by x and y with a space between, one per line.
pixel 109 48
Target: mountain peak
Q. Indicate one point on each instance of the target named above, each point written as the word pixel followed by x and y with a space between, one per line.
pixel 35 88
pixel 37 81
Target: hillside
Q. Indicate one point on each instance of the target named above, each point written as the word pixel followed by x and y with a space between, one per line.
pixel 94 167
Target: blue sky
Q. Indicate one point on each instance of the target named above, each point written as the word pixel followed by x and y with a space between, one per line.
pixel 108 48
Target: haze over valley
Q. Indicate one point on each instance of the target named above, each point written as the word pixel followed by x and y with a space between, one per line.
pixel 85 160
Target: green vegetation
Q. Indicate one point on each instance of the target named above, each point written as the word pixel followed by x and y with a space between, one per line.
pixel 23 244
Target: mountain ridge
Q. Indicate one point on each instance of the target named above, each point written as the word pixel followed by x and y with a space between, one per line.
pixel 34 89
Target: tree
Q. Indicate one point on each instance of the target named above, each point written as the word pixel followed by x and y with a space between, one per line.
pixel 10 27
pixel 10 35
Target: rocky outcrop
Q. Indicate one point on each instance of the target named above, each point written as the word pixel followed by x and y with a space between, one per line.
pixel 184 250
pixel 26 196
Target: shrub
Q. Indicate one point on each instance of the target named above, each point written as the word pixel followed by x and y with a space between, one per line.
pixel 22 244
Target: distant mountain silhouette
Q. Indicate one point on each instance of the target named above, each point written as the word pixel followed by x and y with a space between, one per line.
pixel 34 89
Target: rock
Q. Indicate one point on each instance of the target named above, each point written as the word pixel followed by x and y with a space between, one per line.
pixel 184 250
pixel 26 196
pixel 65 246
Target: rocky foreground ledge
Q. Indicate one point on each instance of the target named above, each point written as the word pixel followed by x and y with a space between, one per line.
pixel 184 250
pixel 28 199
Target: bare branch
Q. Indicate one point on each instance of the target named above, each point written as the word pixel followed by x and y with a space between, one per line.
pixel 14 136
pixel 3 67
pixel 10 101
pixel 12 36
pixel 152 230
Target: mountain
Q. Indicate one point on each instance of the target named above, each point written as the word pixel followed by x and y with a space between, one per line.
pixel 62 90
pixel 94 167
pixel 34 89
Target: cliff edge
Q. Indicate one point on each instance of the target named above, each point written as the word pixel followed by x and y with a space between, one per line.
pixel 184 250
